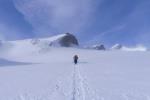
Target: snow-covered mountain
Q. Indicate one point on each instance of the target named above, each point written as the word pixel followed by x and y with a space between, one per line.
pixel 63 40
pixel 39 45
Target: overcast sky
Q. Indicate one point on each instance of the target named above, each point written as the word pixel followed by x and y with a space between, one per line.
pixel 92 21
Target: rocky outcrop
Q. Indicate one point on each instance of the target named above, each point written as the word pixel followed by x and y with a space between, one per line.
pixel 68 40
pixel 99 47
pixel 62 40
pixel 35 41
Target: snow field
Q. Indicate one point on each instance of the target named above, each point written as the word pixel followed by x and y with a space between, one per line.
pixel 51 75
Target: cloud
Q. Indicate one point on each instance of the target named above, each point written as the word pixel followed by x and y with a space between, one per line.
pixel 103 36
pixel 56 16
pixel 91 20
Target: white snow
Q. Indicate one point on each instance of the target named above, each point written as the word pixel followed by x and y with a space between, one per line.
pixel 54 38
pixel 137 48
pixel 125 48
pixel 30 46
pixel 116 47
pixel 30 73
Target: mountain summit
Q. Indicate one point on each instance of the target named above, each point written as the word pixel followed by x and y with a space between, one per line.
pixel 63 40
pixel 68 40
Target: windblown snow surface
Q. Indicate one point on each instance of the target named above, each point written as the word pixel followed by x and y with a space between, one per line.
pixel 51 74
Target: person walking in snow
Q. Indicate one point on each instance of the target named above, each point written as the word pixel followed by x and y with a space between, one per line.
pixel 75 58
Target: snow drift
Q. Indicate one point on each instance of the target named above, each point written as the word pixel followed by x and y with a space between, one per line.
pixel 137 48
pixel 116 47
pixel 125 48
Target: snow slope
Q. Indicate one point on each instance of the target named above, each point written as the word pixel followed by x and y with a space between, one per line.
pixel 125 48
pixel 137 48
pixel 51 75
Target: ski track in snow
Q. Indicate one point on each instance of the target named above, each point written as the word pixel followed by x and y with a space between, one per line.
pixel 78 86
pixel 80 90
